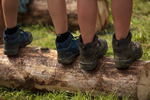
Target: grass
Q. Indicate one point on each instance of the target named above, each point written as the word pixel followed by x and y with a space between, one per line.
pixel 44 36
pixel 8 94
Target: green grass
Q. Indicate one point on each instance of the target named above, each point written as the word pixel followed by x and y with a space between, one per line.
pixel 44 36
pixel 8 94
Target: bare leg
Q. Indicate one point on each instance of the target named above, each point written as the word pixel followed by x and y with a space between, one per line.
pixel 87 12
pixel 121 11
pixel 10 11
pixel 57 10
pixel 123 48
pixel 2 25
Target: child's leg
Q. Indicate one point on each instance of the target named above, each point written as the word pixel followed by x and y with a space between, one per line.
pixel 57 9
pixel 2 25
pixel 87 13
pixel 14 37
pixel 10 12
pixel 91 48
pixel 121 11
pixel 125 51
pixel 67 46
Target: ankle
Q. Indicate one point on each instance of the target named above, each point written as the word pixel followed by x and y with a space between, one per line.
pixel 87 42
pixel 62 37
pixel 120 42
pixel 10 31
pixel 88 45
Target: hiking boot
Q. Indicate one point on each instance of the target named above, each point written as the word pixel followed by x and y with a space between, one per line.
pixel 90 52
pixel 125 51
pixel 68 50
pixel 13 42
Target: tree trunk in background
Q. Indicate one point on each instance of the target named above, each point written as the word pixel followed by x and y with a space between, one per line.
pixel 38 69
pixel 38 13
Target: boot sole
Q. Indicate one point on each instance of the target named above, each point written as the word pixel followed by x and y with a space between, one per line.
pixel 67 60
pixel 91 66
pixel 123 64
pixel 14 51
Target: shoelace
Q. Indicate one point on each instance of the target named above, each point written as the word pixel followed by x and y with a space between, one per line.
pixel 74 37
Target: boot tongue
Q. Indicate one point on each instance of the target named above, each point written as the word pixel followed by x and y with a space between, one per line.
pixel 122 41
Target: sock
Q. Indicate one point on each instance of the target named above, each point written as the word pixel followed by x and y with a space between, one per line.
pixel 62 37
pixel 11 31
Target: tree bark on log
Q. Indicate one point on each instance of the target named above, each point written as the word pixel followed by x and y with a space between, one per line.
pixel 38 69
pixel 38 13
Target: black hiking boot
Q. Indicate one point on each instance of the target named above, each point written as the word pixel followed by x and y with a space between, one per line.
pixel 125 51
pixel 90 52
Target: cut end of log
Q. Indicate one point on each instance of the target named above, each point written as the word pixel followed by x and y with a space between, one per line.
pixel 143 89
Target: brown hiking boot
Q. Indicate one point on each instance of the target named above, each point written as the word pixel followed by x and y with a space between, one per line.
pixel 125 51
pixel 90 52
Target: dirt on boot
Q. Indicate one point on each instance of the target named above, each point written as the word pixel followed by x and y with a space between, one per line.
pixel 125 51
pixel 90 52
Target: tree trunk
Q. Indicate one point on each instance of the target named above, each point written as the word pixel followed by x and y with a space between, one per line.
pixel 38 13
pixel 38 69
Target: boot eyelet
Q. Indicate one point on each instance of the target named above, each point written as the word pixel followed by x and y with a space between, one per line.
pixel 58 46
pixel 5 38
pixel 116 43
pixel 84 48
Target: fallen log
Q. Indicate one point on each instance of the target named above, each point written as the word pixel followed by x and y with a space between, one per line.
pixel 38 69
pixel 38 13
